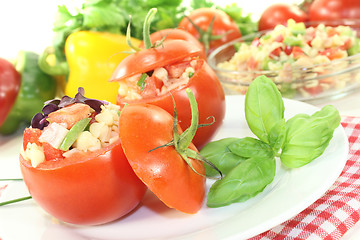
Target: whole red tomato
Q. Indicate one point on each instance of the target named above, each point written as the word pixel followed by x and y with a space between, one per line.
pixel 173 34
pixel 279 13
pixel 10 81
pixel 144 127
pixel 204 84
pixel 87 188
pixel 325 10
pixel 223 27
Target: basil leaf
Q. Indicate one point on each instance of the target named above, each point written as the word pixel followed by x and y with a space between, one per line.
pixel 308 136
pixel 277 135
pixel 264 108
pixel 250 147
pixel 245 181
pixel 219 154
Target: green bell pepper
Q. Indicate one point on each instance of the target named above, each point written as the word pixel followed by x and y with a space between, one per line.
pixel 36 88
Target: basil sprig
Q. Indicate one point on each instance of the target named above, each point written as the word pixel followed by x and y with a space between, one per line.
pixel 249 164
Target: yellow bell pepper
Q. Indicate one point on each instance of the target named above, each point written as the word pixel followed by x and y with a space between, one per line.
pixel 92 58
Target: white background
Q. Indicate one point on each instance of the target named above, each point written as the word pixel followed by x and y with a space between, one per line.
pixel 27 24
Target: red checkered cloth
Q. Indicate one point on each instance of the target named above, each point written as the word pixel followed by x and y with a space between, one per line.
pixel 331 216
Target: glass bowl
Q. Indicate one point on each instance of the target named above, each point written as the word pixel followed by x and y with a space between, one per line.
pixel 326 81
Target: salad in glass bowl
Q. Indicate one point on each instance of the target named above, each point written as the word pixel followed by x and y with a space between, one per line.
pixel 306 61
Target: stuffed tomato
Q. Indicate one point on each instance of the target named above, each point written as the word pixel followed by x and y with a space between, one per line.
pixel 73 164
pixel 155 75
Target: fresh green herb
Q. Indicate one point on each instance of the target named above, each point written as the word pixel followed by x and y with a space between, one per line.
pixel 308 136
pixel 249 164
pixel 15 200
pixel 249 147
pixel 191 74
pixel 264 109
pixel 11 179
pixel 141 82
pixel 113 16
pixel 73 133
pixel 220 155
pixel 245 181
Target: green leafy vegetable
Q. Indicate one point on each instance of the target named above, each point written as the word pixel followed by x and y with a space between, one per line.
pixel 308 136
pixel 248 163
pixel 220 155
pixel 264 109
pixel 113 16
pixel 249 147
pixel 246 180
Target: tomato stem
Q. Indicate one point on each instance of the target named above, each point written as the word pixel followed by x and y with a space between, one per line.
pixel 15 200
pixel 128 37
pixel 195 155
pixel 189 134
pixel 207 36
pixel 181 142
pixel 146 29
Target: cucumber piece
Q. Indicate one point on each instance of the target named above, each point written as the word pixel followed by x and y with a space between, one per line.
pixel 73 133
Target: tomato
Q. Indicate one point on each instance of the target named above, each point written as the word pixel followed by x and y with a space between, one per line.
pixel 279 13
pixel 333 53
pixel 327 10
pixel 172 34
pixel 297 52
pixel 204 84
pixel 10 81
pixel 223 26
pixel 86 188
pixel 144 127
pixel 314 90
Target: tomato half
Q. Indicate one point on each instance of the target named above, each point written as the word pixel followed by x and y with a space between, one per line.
pixel 204 84
pixel 279 13
pixel 88 188
pixel 10 81
pixel 144 127
pixel 173 34
pixel 223 26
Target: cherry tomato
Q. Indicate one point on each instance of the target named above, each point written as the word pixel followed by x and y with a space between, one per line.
pixel 327 10
pixel 279 13
pixel 144 127
pixel 172 34
pixel 204 84
pixel 223 26
pixel 87 188
pixel 10 81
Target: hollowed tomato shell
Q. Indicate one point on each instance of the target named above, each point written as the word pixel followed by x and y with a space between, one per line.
pixel 204 84
pixel 86 188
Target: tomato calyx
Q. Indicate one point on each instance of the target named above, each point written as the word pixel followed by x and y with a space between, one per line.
pixel 182 141
pixel 207 36
pixel 146 33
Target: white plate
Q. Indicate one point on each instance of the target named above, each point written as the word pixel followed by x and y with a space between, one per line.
pixel 290 193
